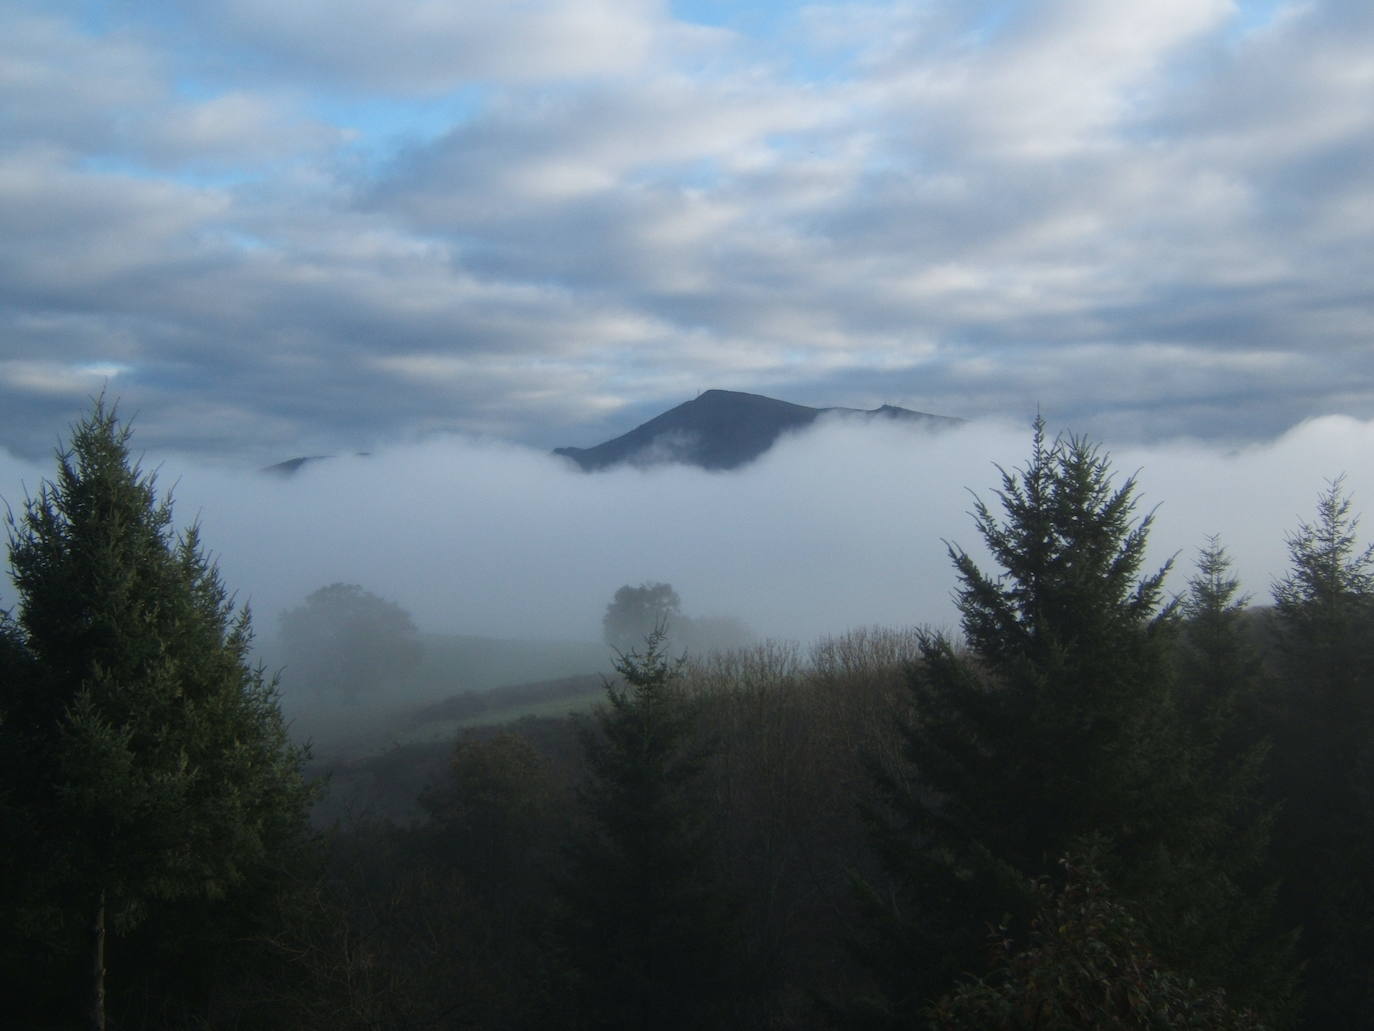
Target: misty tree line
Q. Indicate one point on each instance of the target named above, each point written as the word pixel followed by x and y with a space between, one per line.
pixel 1097 807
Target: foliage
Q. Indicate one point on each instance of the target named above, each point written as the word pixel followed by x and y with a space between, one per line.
pixel 647 930
pixel 1324 758
pixel 1087 966
pixel 488 816
pixel 637 612
pixel 1224 697
pixel 1057 724
pixel 1216 660
pixel 147 760
pixel 348 643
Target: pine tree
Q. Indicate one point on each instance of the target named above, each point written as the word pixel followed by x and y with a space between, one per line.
pixel 148 760
pixel 1219 669
pixel 647 927
pixel 1324 758
pixel 1224 694
pixel 1055 725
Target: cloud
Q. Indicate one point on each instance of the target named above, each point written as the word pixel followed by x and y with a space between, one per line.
pixel 125 106
pixel 1044 81
pixel 310 227
pixel 838 527
pixel 430 46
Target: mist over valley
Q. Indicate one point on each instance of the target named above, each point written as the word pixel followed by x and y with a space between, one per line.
pixel 840 524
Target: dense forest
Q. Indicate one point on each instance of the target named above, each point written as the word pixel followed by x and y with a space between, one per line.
pixel 1099 805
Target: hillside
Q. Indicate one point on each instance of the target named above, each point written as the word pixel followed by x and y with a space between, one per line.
pixel 724 429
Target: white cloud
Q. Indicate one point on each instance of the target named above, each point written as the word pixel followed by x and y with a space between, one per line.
pixel 432 46
pixel 836 528
pixel 1147 216
pixel 114 96
pixel 65 230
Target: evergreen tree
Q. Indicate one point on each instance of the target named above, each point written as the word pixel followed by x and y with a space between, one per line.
pixel 647 929
pixel 1324 611
pixel 1219 670
pixel 147 760
pixel 1224 694
pixel 1056 724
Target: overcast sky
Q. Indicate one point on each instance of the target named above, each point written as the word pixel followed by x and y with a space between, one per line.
pixel 281 227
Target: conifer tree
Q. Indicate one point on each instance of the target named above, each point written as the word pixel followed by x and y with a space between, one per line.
pixel 1224 692
pixel 148 761
pixel 647 927
pixel 1055 724
pixel 1324 759
pixel 1218 667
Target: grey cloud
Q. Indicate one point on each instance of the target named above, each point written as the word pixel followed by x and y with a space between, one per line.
pixel 431 47
pixel 113 96
pixel 571 258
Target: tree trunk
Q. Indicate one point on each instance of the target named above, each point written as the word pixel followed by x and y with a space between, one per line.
pixel 98 966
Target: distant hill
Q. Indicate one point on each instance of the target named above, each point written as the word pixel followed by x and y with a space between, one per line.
pixel 294 465
pixel 723 429
pixel 720 429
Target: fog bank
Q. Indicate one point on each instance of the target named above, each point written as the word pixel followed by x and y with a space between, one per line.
pixel 838 527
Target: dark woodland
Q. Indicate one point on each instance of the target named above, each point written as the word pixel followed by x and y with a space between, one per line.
pixel 1099 804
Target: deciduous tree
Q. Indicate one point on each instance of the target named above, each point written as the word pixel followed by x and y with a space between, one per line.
pixel 347 643
pixel 636 612
pixel 1086 965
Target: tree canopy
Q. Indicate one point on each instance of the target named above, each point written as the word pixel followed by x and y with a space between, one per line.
pixel 1054 724
pixel 646 925
pixel 1324 756
pixel 636 612
pixel 147 760
pixel 347 643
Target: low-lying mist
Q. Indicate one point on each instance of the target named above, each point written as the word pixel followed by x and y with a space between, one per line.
pixel 839 527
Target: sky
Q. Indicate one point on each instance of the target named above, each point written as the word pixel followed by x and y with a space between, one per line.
pixel 274 229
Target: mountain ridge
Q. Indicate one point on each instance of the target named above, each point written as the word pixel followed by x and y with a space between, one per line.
pixel 717 430
pixel 723 430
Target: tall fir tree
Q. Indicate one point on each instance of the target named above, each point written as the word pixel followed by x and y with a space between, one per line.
pixel 1225 695
pixel 1324 611
pixel 1053 729
pixel 148 762
pixel 648 930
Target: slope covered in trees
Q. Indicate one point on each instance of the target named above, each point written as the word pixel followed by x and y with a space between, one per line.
pixel 1053 727
pixel 1097 806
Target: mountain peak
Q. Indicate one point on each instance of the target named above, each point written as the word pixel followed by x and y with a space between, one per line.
pixel 720 429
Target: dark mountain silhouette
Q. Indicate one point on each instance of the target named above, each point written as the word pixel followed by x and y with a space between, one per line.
pixel 724 429
pixel 294 465
pixel 720 429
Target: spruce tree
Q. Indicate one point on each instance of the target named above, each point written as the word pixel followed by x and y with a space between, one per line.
pixel 1224 694
pixel 1052 728
pixel 647 929
pixel 1324 759
pixel 148 762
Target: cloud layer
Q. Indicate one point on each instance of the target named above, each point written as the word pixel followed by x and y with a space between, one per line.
pixel 278 229
pixel 842 526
